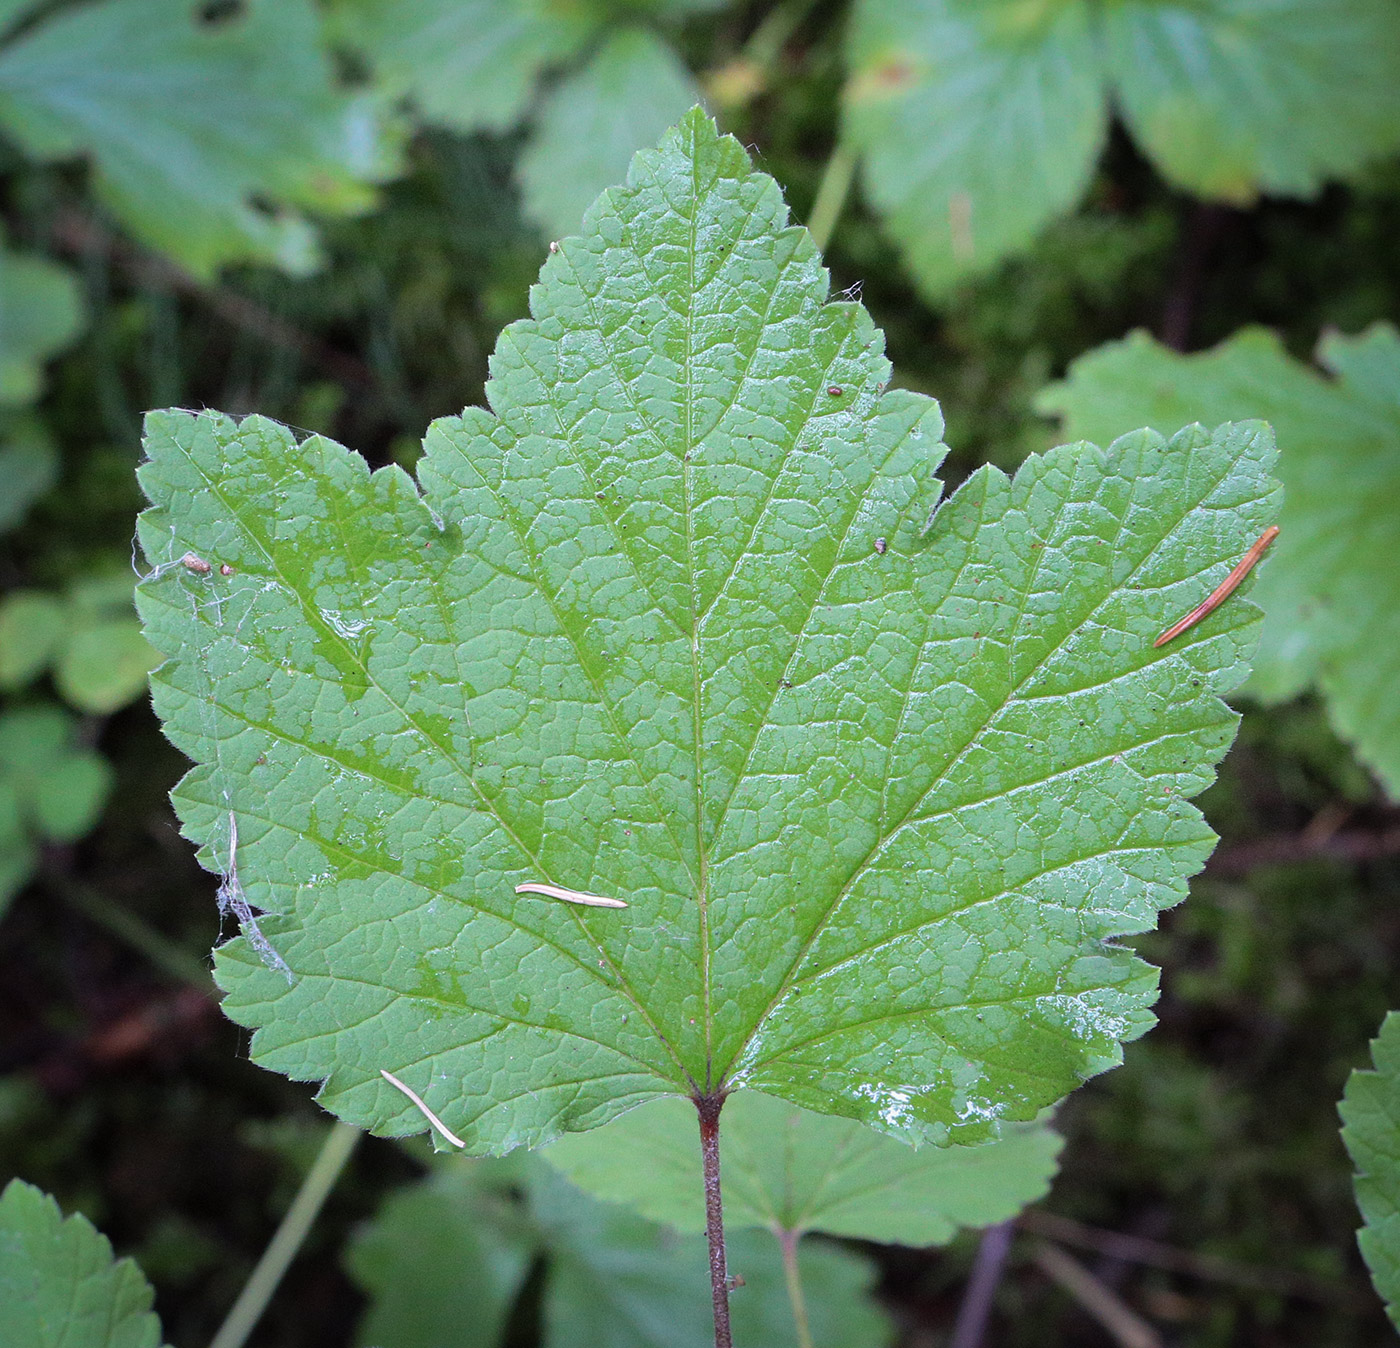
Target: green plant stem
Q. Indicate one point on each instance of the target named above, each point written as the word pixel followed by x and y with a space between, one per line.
pixel 242 1319
pixel 832 192
pixel 792 1276
pixel 135 931
pixel 708 1107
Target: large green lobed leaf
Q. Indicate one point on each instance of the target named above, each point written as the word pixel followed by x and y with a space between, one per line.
pixel 60 1286
pixel 668 624
pixel 1333 590
pixel 1370 1111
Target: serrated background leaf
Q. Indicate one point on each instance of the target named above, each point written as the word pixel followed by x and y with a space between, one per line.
pixel 467 64
pixel 631 89
pixel 787 1168
pixel 977 124
pixel 1370 1111
pixel 187 121
pixel 1233 97
pixel 60 1286
pixel 666 624
pixel 40 313
pixel 1332 588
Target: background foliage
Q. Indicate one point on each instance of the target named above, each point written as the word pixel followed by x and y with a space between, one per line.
pixel 338 246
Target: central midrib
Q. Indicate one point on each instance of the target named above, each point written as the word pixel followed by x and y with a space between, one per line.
pixel 688 413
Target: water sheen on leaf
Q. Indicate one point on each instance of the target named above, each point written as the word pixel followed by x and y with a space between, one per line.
pixel 668 624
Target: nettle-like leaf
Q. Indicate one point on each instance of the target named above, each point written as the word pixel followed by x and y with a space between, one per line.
pixel 60 1286
pixel 981 120
pixel 631 89
pixel 1370 1111
pixel 792 1171
pixel 669 624
pixel 1333 590
pixel 444 1262
pixel 40 313
pixel 188 120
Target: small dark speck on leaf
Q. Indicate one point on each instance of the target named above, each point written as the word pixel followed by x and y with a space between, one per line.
pixel 225 569
pixel 835 390
pixel 786 683
pixel 880 546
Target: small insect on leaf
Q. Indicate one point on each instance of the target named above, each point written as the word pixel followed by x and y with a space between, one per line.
pixel 1222 591
pixel 570 895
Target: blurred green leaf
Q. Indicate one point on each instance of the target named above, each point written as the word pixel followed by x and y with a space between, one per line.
pixel 90 636
pixel 33 625
pixel 468 64
pixel 980 120
pixel 789 1169
pixel 1331 587
pixel 60 1286
pixel 617 1281
pixel 104 664
pixel 193 123
pixel 68 798
pixel 31 738
pixel 444 1260
pixel 1370 1111
pixel 17 852
pixel 40 313
pixel 1230 98
pixel 59 788
pixel 28 468
pixel 595 120
pixel 977 123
